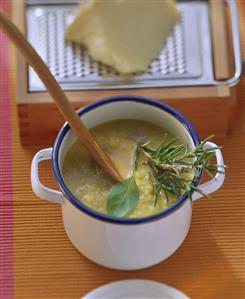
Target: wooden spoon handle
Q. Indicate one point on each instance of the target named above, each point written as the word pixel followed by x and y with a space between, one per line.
pixel 58 96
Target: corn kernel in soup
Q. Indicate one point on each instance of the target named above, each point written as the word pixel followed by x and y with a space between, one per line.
pixel 90 184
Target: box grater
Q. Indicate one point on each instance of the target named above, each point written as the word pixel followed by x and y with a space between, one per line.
pixel 185 67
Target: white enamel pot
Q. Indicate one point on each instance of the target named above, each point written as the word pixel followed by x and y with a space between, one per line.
pixel 123 243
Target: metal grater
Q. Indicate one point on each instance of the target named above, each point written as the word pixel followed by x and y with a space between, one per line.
pixel 186 59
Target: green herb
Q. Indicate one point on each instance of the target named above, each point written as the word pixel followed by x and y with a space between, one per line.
pixel 124 196
pixel 169 164
pixel 170 161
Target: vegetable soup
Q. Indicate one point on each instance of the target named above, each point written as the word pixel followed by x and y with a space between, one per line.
pixel 120 139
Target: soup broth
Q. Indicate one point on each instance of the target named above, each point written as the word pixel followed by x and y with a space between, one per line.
pixel 90 184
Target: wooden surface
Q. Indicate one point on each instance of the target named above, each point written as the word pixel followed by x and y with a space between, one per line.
pixel 39 123
pixel 42 263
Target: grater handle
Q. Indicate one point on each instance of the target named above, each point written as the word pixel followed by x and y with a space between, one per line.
pixel 219 39
pixel 236 47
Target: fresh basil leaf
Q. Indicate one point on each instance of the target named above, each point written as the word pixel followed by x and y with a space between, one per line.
pixel 123 197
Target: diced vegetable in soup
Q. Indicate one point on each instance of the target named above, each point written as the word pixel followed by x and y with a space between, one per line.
pixel 120 139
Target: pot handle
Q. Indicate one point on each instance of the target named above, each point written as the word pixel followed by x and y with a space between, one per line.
pixel 38 188
pixel 215 183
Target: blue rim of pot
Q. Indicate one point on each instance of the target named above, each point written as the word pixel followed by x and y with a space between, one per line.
pixel 105 217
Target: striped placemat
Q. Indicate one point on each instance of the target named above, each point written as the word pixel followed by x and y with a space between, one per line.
pixel 38 261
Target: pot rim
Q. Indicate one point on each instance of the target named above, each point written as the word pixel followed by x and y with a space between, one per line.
pixel 104 217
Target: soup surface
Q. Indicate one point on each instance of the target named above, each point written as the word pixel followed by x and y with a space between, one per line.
pixel 90 184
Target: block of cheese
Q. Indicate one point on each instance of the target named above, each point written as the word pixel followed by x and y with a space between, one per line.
pixel 124 34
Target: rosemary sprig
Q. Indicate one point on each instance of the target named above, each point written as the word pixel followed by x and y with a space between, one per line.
pixel 170 162
pixel 171 165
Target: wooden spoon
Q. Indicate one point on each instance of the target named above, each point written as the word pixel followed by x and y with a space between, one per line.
pixel 58 96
